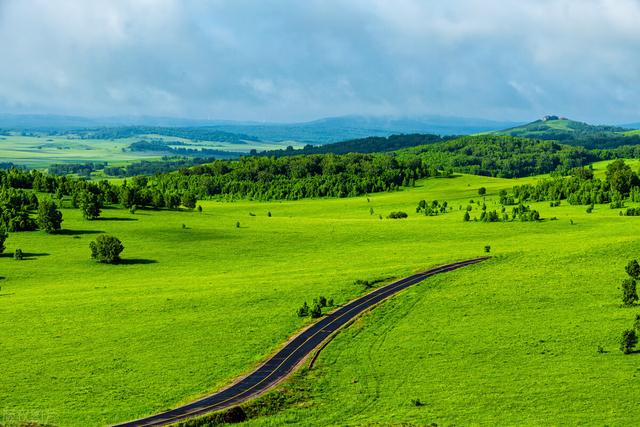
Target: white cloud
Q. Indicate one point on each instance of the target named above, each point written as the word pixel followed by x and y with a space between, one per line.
pixel 291 60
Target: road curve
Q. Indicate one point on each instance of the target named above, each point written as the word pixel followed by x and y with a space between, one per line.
pixel 277 367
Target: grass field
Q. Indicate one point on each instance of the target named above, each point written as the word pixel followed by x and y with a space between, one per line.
pixel 511 341
pixel 38 152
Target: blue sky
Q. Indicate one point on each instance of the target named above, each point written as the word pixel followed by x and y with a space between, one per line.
pixel 305 59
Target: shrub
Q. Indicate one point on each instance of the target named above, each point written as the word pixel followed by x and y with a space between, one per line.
pixel 361 282
pixel 629 293
pixel 199 208
pixel 482 191
pixel 466 217
pixel 237 224
pixel 106 249
pixel 397 215
pixel 269 214
pixel 316 311
pixel 18 255
pixel 322 301
pixel 330 302
pixel 628 341
pixel 487 249
pixel 303 311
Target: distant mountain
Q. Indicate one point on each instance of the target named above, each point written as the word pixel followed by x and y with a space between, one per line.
pixel 323 131
pixel 632 125
pixel 336 129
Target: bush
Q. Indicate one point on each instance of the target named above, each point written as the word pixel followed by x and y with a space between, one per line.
pixel 466 217
pixel 487 249
pixel 629 293
pixel 397 215
pixel 303 311
pixel 482 191
pixel 628 341
pixel 361 282
pixel 18 255
pixel 316 311
pixel 106 249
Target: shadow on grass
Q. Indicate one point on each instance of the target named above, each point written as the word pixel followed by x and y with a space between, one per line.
pixel 136 261
pixel 65 232
pixel 115 219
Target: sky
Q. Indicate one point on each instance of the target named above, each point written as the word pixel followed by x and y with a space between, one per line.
pixel 299 60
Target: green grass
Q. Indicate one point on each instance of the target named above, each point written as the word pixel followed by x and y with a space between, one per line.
pixel 512 341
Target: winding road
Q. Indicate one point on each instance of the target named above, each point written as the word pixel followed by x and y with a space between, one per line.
pixel 277 367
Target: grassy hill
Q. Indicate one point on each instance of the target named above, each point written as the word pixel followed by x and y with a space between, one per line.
pixel 574 132
pixel 512 341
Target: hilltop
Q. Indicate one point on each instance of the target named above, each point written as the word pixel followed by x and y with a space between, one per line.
pixel 555 128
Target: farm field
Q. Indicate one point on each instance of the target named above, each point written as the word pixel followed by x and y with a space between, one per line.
pixel 38 152
pixel 511 341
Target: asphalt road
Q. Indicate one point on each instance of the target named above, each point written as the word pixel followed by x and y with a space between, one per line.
pixel 276 368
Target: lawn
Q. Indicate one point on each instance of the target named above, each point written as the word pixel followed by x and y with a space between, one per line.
pixel 511 341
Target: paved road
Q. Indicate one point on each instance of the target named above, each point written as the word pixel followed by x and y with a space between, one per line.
pixel 291 355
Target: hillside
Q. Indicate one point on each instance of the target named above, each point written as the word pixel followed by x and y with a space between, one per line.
pixel 554 128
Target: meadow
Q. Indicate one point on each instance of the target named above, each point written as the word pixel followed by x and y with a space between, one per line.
pixel 40 151
pixel 199 301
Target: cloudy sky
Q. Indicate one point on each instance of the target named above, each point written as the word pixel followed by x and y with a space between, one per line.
pixel 304 59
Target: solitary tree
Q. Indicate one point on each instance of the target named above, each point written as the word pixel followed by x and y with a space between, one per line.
pixel 487 249
pixel 106 249
pixel 466 217
pixel 90 205
pixel 18 255
pixel 628 341
pixel 49 217
pixel 482 191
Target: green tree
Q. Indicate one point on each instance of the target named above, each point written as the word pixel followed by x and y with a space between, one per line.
pixel 633 269
pixel 620 177
pixel 49 217
pixel 466 217
pixel 482 191
pixel 106 249
pixel 18 255
pixel 629 293
pixel 3 238
pixel 316 311
pixel 90 205
pixel 188 200
pixel 487 249
pixel 628 341
pixel 303 311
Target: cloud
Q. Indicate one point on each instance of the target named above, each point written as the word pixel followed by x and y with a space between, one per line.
pixel 290 60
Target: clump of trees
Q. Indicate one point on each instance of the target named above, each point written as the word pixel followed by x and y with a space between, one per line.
pixel 106 249
pixel 315 310
pixel 432 208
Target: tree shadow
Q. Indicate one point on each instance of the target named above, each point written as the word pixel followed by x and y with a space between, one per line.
pixel 115 219
pixel 28 256
pixel 66 232
pixel 136 261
